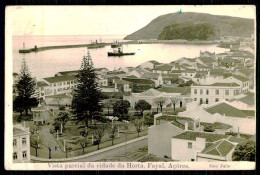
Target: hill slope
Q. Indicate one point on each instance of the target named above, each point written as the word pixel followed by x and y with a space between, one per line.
pixel 225 25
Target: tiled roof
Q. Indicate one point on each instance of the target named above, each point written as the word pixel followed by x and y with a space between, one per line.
pixel 115 72
pixel 155 62
pixel 190 59
pixel 19 131
pixel 219 148
pixel 206 59
pixel 240 78
pixel 150 75
pixel 60 78
pixel 139 81
pixel 174 89
pixel 189 135
pixel 41 84
pixel 150 92
pixel 216 125
pixel 228 110
pixel 164 68
pixel 248 99
pixel 225 84
pixel 69 72
pixel 177 71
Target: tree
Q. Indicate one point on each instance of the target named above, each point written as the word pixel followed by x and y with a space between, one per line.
pixel 174 101
pixel 245 152
pixel 87 95
pixel 121 108
pixel 138 125
pixel 113 130
pixel 63 118
pixel 56 124
pixel 160 101
pixel 148 120
pixel 142 105
pixel 35 143
pixel 98 133
pixel 108 103
pixel 83 140
pixel 25 88
pixel 68 148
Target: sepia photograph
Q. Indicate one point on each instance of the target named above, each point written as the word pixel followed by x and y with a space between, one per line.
pixel 130 87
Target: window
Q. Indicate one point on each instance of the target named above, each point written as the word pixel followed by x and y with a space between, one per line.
pixel 14 142
pixel 195 91
pixel 189 144
pixel 207 101
pixel 68 82
pixel 14 156
pixel 195 99
pixel 226 92
pixel 54 84
pixel 190 74
pixel 185 74
pixel 207 92
pixel 24 141
pixel 201 101
pixel 234 92
pixel 198 80
pixel 217 92
pixel 64 83
pixel 24 154
pixel 216 100
pixel 201 91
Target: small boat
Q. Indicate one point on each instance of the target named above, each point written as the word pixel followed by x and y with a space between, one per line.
pixel 119 53
pixel 116 45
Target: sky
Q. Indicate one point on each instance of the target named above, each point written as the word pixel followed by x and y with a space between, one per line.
pixel 103 20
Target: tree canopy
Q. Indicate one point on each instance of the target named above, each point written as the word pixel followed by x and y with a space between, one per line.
pixel 142 105
pixel 245 152
pixel 121 108
pixel 25 90
pixel 86 95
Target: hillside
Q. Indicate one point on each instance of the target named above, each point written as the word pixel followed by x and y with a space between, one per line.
pixel 189 31
pixel 225 25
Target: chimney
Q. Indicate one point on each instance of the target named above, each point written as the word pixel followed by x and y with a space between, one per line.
pixel 186 126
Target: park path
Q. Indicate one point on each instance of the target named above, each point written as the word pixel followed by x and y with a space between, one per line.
pixel 48 140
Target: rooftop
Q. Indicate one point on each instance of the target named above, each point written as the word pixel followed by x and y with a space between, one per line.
pixel 240 78
pixel 18 131
pixel 139 81
pixel 150 92
pixel 155 62
pixel 219 148
pixel 228 110
pixel 175 89
pixel 189 135
pixel 59 78
pixel 206 60
pixel 248 99
pixel 221 84
pixel 41 84
pixel 164 67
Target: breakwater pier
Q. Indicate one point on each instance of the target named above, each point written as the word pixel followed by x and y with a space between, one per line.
pixel 100 45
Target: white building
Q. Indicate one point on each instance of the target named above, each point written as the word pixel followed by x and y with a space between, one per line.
pixel 21 144
pixel 242 121
pixel 210 94
pixel 202 147
pixel 59 84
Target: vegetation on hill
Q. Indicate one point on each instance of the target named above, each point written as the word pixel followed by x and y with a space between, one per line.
pixel 188 31
pixel 226 25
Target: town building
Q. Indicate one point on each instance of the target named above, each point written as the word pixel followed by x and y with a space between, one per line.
pixel 202 147
pixel 150 64
pixel 41 115
pixel 21 144
pixel 210 94
pixel 59 84
pixel 242 121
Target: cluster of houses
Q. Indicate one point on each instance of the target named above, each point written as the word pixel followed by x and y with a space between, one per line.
pixel 217 91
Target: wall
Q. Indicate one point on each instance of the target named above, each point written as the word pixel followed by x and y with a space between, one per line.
pixel 180 150
pixel 159 139
pixel 55 101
